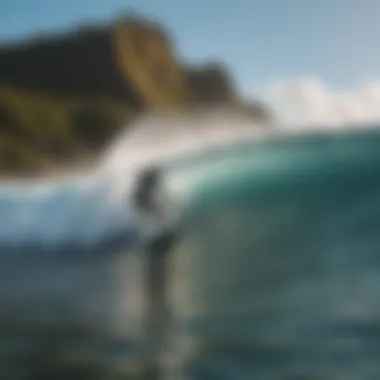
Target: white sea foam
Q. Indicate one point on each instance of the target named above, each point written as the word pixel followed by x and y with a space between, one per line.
pixel 86 204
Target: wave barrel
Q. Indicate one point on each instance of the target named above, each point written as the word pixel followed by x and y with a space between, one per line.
pixel 275 273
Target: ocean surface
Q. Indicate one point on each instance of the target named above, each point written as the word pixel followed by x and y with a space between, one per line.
pixel 73 300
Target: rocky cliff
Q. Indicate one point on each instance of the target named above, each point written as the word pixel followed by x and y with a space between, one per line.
pixel 62 97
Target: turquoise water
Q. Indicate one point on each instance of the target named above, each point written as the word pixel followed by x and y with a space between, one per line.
pixel 276 274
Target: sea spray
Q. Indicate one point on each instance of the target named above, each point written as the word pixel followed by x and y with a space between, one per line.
pixel 160 138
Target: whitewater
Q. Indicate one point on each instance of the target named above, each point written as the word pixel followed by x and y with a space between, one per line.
pixel 85 208
pixel 94 205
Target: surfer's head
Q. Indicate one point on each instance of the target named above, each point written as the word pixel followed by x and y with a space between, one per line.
pixel 146 184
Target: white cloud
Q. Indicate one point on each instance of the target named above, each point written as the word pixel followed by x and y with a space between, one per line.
pixel 311 103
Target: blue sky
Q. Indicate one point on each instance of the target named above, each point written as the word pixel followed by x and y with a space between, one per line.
pixel 262 41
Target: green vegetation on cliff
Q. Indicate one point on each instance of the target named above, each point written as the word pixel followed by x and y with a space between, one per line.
pixel 62 98
pixel 40 132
